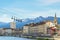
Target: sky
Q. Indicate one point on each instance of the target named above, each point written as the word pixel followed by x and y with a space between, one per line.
pixel 28 9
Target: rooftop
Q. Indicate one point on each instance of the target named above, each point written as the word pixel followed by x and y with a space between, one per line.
pixel 35 24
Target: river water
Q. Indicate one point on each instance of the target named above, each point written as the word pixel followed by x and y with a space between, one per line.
pixel 12 38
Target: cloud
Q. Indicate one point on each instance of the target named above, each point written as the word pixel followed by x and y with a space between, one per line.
pixel 20 13
pixel 29 9
pixel 33 14
pixel 5 18
pixel 15 10
pixel 9 12
pixel 47 2
pixel 47 13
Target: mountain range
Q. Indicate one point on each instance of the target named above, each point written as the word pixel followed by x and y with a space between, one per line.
pixel 27 21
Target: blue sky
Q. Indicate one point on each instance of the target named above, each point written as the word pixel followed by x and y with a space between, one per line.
pixel 28 8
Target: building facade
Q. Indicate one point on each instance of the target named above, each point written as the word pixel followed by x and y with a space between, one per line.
pixel 45 27
pixel 13 25
pixel 38 28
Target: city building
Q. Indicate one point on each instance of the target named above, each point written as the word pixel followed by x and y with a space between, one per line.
pixel 12 31
pixel 13 25
pixel 35 28
pixel 45 27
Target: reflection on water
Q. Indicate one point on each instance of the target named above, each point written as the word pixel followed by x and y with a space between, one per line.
pixel 12 38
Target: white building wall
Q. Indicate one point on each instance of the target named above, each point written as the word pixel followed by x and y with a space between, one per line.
pixel 13 25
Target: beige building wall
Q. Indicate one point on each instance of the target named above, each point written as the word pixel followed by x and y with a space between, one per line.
pixel 25 29
pixel 43 28
pixel 35 29
pixel 39 29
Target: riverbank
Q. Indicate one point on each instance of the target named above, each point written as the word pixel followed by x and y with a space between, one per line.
pixel 39 38
pixel 44 38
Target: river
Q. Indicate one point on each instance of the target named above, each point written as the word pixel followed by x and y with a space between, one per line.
pixel 12 38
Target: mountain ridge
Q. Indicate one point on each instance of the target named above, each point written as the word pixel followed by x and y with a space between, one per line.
pixel 27 21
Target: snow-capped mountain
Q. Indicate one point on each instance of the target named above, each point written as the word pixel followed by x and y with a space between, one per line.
pixel 27 21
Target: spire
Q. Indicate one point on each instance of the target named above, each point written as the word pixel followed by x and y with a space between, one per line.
pixel 55 16
pixel 13 24
pixel 55 19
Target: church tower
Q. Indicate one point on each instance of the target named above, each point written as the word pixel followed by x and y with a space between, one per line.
pixel 13 24
pixel 55 20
